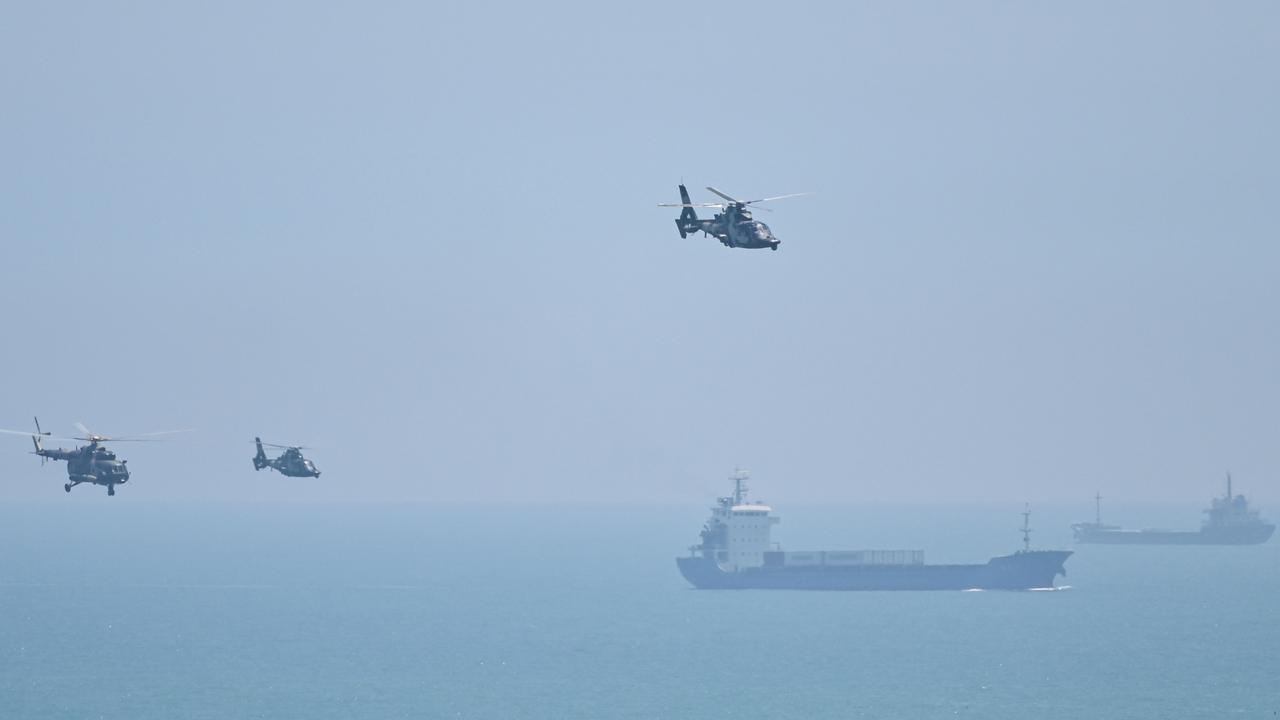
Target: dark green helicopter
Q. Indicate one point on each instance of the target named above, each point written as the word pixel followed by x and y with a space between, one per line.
pixel 733 226
pixel 291 463
pixel 92 463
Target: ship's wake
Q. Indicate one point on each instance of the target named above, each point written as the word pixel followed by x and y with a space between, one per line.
pixel 1042 589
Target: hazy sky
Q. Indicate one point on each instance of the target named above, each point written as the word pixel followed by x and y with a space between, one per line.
pixel 1042 258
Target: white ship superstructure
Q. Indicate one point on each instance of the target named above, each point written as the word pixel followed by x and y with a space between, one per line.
pixel 737 533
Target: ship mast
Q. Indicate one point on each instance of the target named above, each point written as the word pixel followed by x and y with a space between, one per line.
pixel 1228 486
pixel 1026 528
pixel 739 485
pixel 1097 499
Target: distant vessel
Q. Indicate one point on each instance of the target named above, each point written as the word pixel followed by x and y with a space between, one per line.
pixel 1229 521
pixel 735 553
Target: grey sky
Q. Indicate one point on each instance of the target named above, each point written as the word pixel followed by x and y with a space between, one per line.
pixel 1042 259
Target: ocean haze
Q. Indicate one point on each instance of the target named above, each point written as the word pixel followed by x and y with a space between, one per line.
pixel 213 610
pixel 422 239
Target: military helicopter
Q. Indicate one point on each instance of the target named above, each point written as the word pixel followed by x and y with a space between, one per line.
pixel 92 463
pixel 290 463
pixel 733 226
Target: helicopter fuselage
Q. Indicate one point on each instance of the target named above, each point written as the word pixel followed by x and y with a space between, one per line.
pixel 290 463
pixel 736 228
pixel 291 468
pixel 92 464
pixel 733 225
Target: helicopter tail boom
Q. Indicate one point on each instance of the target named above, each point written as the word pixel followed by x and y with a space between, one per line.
pixel 688 220
pixel 260 460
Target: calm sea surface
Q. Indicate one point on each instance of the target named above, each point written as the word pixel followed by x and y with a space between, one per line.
pixel 124 609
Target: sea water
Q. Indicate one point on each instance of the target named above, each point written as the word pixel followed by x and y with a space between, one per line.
pixel 121 608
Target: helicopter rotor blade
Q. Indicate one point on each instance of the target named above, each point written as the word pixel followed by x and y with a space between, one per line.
pixel 758 200
pixel 692 205
pixel 90 437
pixel 152 436
pixel 43 435
pixel 776 197
pixel 726 197
pixel 286 447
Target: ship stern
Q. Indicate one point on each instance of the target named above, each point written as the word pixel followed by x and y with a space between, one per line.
pixel 703 573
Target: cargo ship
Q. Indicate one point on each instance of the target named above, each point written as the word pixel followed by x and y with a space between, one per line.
pixel 736 553
pixel 1229 521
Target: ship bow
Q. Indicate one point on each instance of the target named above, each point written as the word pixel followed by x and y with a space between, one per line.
pixel 1027 570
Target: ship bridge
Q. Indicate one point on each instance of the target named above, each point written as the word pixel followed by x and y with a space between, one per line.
pixel 748 535
pixel 736 535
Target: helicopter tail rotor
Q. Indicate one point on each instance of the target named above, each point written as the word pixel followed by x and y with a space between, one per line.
pixel 35 440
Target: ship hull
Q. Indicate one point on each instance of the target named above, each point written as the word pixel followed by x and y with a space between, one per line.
pixel 1021 571
pixel 1250 535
